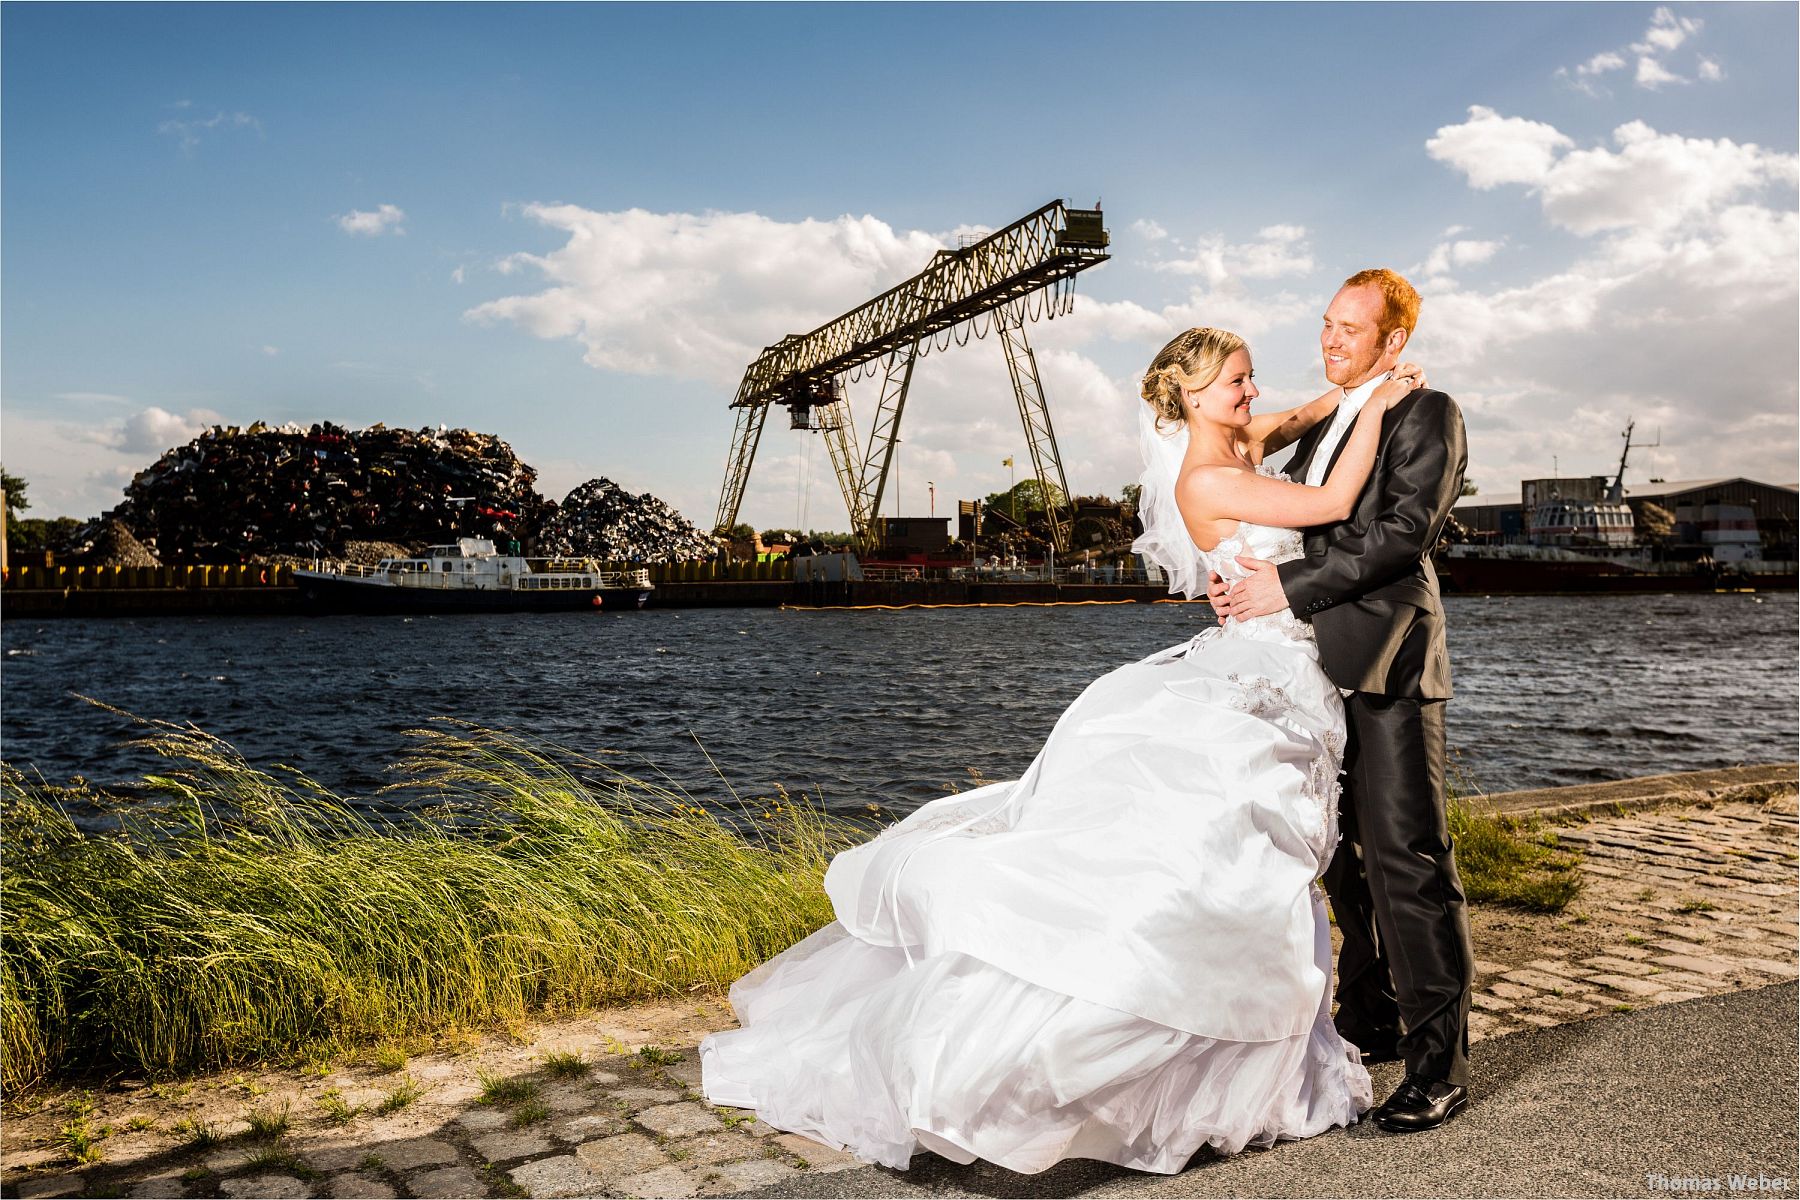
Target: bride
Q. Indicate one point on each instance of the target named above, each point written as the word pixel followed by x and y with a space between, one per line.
pixel 1122 955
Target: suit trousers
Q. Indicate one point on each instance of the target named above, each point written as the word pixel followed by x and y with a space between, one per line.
pixel 1407 962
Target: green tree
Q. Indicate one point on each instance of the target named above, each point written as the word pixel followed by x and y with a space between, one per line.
pixel 16 502
pixel 1469 488
pixel 1026 496
pixel 35 533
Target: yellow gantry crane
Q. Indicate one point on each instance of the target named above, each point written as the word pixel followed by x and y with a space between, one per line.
pixel 998 284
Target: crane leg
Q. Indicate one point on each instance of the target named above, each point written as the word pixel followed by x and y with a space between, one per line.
pixel 884 435
pixel 839 428
pixel 1034 412
pixel 737 468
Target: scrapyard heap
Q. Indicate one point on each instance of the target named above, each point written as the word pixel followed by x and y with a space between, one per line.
pixel 232 494
pixel 603 520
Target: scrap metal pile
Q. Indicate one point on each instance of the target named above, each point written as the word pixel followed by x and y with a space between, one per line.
pixel 103 543
pixel 603 520
pixel 231 495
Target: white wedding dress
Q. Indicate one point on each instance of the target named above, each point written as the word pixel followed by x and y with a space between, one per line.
pixel 1122 955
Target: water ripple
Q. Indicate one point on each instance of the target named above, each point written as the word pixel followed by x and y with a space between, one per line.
pixel 858 707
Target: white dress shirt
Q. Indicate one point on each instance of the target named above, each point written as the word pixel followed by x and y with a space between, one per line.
pixel 1341 420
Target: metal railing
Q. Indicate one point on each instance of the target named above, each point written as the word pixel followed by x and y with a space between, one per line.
pixel 424 577
pixel 987 574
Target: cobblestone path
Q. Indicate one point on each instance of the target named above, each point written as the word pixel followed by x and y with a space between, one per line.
pixel 1678 903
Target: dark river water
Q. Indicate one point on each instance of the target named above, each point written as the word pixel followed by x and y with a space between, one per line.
pixel 865 707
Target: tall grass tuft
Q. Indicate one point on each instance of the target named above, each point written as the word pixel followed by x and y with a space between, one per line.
pixel 1506 861
pixel 238 914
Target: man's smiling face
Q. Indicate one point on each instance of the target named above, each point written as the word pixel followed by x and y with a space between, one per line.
pixel 1351 341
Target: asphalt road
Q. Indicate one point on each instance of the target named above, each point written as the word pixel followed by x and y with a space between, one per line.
pixel 1704 1089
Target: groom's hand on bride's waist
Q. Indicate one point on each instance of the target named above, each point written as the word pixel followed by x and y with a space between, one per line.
pixel 1258 594
pixel 1218 595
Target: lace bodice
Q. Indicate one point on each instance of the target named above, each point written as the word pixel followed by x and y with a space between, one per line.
pixel 1271 543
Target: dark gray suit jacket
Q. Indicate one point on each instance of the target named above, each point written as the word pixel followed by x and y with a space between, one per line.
pixel 1366 583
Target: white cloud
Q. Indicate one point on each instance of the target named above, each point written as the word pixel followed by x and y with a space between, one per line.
pixel 1149 230
pixel 1493 150
pixel 150 431
pixel 271 351
pixel 1606 60
pixel 1651 179
pixel 697 296
pixel 189 134
pixel 1276 251
pixel 78 467
pixel 1679 309
pixel 1652 74
pixel 387 218
pixel 1667 32
pixel 457 276
pixel 1233 306
pixel 963 235
pixel 1657 180
pixel 1463 252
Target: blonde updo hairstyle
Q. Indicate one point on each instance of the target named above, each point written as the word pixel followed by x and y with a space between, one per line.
pixel 1192 360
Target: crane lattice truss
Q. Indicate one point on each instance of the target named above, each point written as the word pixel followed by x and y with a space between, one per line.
pixel 1015 275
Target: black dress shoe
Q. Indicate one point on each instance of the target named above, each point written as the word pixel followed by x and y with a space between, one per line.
pixel 1421 1103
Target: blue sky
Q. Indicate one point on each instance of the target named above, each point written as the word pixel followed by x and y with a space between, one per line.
pixel 573 226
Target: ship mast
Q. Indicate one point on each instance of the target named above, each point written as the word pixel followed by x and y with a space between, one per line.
pixel 1616 493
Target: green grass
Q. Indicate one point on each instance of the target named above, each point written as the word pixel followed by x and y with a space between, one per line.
pixel 529 1113
pixel 1695 906
pixel 566 1064
pixel 268 1124
pixel 196 1134
pixel 504 1090
pixel 80 1141
pixel 274 1156
pixel 240 915
pixel 336 1109
pixel 1510 862
pixel 404 1094
pixel 388 1058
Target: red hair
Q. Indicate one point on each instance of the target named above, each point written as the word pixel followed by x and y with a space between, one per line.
pixel 1399 299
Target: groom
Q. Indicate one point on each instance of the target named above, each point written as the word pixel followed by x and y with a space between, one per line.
pixel 1368 588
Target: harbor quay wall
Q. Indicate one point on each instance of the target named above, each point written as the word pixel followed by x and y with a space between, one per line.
pixel 81 591
pixel 250 589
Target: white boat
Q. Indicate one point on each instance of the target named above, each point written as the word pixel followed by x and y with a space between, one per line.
pixel 471 576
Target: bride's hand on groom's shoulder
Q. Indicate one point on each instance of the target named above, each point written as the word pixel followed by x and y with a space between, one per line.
pixel 1402 382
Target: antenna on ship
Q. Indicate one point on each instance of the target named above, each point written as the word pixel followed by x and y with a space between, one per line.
pixel 1616 492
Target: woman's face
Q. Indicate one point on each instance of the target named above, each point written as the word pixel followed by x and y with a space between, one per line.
pixel 1226 400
